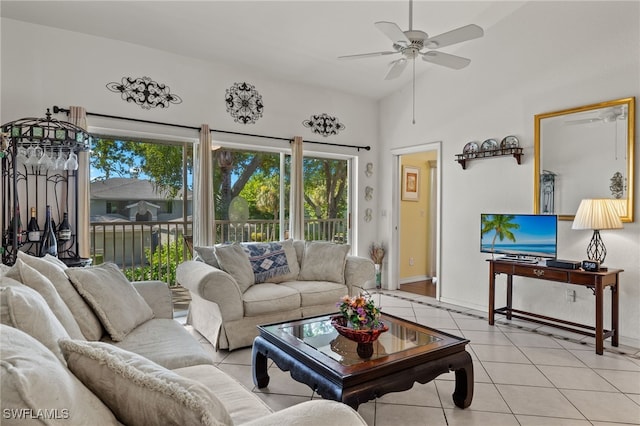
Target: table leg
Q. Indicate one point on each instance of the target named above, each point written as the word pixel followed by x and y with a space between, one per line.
pixel 599 318
pixel 463 393
pixel 615 294
pixel 259 363
pixel 492 294
pixel 509 295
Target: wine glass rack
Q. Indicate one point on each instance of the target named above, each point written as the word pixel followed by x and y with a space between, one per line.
pixel 28 182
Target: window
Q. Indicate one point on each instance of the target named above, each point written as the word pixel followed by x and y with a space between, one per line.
pixel 140 194
pixel 252 196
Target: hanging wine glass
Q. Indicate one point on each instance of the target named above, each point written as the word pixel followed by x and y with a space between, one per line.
pixel 21 155
pixel 33 155
pixel 72 162
pixel 58 164
pixel 45 161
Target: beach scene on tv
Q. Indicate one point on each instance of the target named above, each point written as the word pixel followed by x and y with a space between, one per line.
pixel 519 235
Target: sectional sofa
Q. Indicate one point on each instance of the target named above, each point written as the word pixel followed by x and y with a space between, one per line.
pixel 86 346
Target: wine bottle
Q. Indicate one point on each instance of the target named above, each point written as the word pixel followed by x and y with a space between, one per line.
pixel 64 229
pixel 15 224
pixel 33 230
pixel 48 244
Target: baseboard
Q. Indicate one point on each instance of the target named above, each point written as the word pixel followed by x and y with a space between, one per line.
pixel 413 279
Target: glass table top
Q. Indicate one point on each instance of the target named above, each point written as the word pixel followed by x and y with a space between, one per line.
pixel 322 336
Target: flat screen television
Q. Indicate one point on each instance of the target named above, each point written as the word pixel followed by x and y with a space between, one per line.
pixel 519 235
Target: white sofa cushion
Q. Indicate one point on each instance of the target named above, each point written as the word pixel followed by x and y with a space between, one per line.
pixel 318 293
pixel 112 297
pixel 161 340
pixel 32 278
pixel 140 391
pixel 86 319
pixel 32 380
pixel 268 298
pixel 24 308
pixel 241 404
pixel 323 261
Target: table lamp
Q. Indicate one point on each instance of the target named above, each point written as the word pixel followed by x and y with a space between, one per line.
pixel 597 214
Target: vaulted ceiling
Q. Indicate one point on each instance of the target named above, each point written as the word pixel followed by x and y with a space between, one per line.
pixel 296 41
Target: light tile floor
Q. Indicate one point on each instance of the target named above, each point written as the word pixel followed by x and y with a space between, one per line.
pixel 525 374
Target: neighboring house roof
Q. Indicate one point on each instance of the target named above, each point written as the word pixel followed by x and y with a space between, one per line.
pixel 109 218
pixel 129 189
pixel 142 204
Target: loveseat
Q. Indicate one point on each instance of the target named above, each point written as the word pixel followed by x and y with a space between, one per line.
pixel 236 287
pixel 86 346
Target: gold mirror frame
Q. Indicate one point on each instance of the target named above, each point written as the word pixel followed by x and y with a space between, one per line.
pixel 627 215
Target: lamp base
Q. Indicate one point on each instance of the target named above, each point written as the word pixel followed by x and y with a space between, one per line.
pixel 596 249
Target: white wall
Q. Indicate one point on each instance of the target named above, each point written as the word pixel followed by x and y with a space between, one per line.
pixel 42 67
pixel 544 57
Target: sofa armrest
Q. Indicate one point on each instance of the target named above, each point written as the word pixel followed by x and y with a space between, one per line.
pixel 157 295
pixel 315 412
pixel 359 273
pixel 214 285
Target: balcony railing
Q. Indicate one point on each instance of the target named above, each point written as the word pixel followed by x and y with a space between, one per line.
pixel 152 250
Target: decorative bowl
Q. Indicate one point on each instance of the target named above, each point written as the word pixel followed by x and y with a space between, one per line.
pixel 359 336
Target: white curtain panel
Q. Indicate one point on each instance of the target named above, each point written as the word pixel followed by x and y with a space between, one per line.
pixel 296 206
pixel 78 116
pixel 203 207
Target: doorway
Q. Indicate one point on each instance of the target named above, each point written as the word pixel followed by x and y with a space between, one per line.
pixel 417 214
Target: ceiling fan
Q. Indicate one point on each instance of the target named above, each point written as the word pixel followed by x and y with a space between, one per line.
pixel 413 43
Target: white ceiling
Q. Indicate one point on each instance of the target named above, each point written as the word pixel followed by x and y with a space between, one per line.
pixel 289 40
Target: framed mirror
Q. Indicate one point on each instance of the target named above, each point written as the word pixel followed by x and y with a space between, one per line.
pixel 585 152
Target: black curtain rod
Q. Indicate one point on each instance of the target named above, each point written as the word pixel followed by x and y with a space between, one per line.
pixel 57 109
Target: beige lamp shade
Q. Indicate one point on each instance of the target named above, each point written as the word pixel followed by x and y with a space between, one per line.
pixel 597 214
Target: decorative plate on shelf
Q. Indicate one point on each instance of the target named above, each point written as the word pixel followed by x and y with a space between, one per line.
pixel 510 142
pixel 471 148
pixel 489 145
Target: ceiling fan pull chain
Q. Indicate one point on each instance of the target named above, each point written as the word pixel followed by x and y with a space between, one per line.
pixel 414 91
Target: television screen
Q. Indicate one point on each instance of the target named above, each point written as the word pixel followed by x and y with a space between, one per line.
pixel 519 235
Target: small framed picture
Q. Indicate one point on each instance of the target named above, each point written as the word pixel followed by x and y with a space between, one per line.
pixel 410 183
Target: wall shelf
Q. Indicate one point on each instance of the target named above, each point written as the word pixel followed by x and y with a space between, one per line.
pixel 462 159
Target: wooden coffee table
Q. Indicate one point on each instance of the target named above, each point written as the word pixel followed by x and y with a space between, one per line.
pixel 315 354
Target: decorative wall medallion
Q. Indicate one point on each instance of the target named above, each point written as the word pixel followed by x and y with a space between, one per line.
pixel 323 124
pixel 144 92
pixel 368 193
pixel 617 185
pixel 244 103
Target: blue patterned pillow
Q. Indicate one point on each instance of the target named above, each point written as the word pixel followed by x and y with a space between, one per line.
pixel 268 260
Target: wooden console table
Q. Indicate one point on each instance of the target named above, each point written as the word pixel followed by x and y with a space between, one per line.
pixel 596 281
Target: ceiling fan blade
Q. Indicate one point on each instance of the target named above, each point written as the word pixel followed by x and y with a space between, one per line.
pixel 446 60
pixel 393 31
pixel 396 68
pixel 468 32
pixel 368 55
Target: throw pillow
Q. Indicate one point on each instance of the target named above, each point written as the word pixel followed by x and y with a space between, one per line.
pixel 268 260
pixel 33 382
pixel 292 261
pixel 34 279
pixel 323 261
pixel 112 297
pixel 4 269
pixel 207 255
pixel 86 319
pixel 23 308
pixel 140 391
pixel 234 261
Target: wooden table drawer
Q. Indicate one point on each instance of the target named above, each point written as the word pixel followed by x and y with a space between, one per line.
pixel 544 273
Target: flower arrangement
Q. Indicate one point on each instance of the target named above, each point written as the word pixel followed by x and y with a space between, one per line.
pixel 360 312
pixel 376 253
